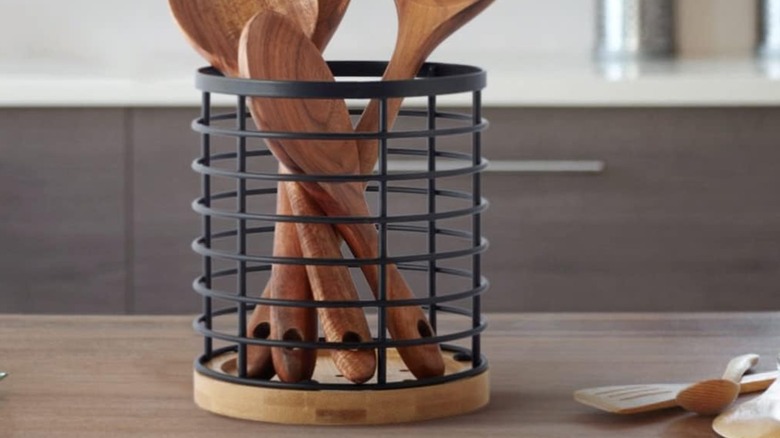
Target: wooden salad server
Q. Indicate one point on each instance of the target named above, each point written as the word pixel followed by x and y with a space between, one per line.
pixel 213 28
pixel 422 26
pixel 263 56
pixel 291 281
pixel 333 283
pixel 263 43
pixel 329 16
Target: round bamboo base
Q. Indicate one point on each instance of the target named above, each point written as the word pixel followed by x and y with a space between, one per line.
pixel 328 407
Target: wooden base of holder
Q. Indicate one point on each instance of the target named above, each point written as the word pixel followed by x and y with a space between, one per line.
pixel 328 407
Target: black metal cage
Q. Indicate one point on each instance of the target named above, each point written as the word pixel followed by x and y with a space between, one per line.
pixel 228 258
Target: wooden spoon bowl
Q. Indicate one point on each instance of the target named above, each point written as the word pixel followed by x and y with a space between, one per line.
pixel 711 397
pixel 422 26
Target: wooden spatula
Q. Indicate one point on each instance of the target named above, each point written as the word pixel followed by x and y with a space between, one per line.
pixel 756 418
pixel 329 16
pixel 333 283
pixel 268 39
pixel 422 26
pixel 264 56
pixel 213 28
pixel 634 399
pixel 318 21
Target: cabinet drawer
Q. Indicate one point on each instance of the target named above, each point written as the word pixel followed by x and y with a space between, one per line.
pixel 684 216
pixel 62 220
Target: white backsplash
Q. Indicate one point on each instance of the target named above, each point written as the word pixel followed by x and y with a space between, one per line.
pixel 139 37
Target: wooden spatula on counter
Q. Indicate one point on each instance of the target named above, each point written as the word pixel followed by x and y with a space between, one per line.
pixel 264 54
pixel 213 28
pixel 422 26
pixel 635 399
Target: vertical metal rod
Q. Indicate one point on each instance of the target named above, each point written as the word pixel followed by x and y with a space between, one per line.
pixel 205 153
pixel 432 210
pixel 241 234
pixel 476 308
pixel 382 316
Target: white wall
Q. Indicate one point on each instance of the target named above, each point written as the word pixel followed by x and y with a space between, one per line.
pixel 139 36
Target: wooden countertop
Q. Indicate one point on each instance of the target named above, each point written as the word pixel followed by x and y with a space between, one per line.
pixel 130 376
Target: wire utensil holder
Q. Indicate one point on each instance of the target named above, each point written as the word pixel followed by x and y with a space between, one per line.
pixel 234 269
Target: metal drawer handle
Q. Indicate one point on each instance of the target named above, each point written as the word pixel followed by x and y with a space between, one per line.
pixel 507 166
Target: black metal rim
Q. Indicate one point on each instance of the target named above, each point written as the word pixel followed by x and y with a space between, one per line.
pixel 433 79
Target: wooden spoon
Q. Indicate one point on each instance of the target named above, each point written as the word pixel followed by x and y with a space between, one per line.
pixel 304 13
pixel 346 324
pixel 268 39
pixel 213 28
pixel 262 55
pixel 756 418
pixel 422 26
pixel 288 323
pixel 329 17
pixel 289 281
pixel 712 396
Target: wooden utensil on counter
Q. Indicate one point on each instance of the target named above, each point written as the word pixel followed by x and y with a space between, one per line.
pixel 711 397
pixel 269 29
pixel 264 54
pixel 422 26
pixel 635 399
pixel 213 28
pixel 756 418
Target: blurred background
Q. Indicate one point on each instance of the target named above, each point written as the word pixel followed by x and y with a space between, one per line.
pixel 620 182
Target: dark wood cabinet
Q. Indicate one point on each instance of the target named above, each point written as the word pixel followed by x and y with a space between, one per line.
pixel 96 212
pixel 62 210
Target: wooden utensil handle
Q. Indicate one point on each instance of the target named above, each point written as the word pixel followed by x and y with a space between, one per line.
pixel 259 363
pixel 333 283
pixel 739 366
pixel 757 382
pixel 347 199
pixel 408 322
pixel 290 282
pixel 264 53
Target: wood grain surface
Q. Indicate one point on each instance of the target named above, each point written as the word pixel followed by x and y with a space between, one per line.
pixel 131 376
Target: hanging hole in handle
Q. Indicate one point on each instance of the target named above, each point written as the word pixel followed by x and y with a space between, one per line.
pixel 351 338
pixel 262 331
pixel 292 335
pixel 424 329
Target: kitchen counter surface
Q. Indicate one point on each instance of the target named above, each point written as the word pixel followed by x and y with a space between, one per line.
pixel 513 80
pixel 130 376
